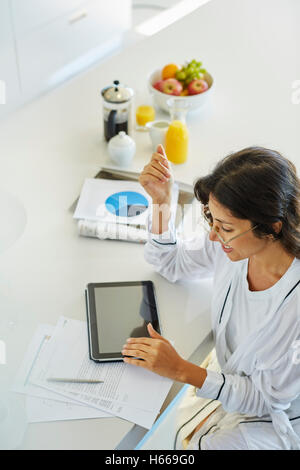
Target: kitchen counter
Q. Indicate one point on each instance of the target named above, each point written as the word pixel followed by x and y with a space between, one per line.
pixel 50 146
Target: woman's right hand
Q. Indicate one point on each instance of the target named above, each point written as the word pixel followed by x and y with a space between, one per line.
pixel 157 178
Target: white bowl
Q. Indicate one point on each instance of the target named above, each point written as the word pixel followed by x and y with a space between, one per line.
pixel 193 102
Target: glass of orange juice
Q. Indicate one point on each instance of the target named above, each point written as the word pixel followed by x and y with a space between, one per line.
pixel 144 114
pixel 177 141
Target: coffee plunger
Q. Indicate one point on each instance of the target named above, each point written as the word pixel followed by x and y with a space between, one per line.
pixel 117 109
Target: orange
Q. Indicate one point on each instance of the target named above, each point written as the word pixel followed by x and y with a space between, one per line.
pixel 184 92
pixel 169 71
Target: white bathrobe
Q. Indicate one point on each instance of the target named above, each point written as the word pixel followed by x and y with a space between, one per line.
pixel 260 380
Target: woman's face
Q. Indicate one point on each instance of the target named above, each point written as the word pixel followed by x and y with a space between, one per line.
pixel 229 226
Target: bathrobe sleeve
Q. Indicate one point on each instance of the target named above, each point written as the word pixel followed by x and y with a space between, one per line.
pixel 272 387
pixel 178 259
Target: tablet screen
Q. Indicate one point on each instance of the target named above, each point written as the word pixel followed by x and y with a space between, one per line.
pixel 120 311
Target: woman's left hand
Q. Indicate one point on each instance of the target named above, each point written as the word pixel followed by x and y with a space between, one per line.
pixel 157 353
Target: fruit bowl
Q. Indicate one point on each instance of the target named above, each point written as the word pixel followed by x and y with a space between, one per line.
pixel 192 102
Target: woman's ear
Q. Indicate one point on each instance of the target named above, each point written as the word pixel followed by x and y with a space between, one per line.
pixel 277 226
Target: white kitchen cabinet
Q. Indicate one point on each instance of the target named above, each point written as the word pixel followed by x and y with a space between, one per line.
pixel 8 63
pixel 44 42
pixel 31 14
pixel 44 52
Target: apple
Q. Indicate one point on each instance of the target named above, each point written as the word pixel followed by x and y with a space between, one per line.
pixel 171 86
pixel 197 86
pixel 158 85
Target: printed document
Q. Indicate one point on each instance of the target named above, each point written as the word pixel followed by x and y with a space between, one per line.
pixel 127 391
pixel 46 405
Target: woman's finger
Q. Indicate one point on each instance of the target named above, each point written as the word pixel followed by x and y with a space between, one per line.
pixel 154 334
pixel 163 160
pixel 134 353
pixel 158 166
pixel 153 172
pixel 142 347
pixel 136 362
pixel 160 149
pixel 146 341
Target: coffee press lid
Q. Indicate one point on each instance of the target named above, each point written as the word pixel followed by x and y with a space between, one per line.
pixel 117 93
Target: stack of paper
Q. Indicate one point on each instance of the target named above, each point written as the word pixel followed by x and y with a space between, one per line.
pixel 127 391
pixel 115 209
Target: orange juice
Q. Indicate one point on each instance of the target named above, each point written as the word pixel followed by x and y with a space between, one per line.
pixel 177 139
pixel 144 114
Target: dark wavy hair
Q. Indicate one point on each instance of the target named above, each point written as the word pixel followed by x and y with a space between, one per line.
pixel 260 185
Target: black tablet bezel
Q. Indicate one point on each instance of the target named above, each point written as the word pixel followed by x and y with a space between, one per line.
pixel 94 351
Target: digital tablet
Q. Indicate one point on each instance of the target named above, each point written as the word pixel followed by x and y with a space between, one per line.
pixel 117 311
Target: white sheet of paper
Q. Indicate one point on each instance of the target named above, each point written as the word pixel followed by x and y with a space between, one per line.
pixel 94 193
pixel 43 404
pixel 30 361
pixel 40 410
pixel 128 391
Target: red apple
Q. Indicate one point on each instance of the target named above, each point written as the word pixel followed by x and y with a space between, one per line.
pixel 197 86
pixel 171 86
pixel 158 85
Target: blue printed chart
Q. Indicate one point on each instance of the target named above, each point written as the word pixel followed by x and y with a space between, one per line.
pixel 126 204
pixel 122 202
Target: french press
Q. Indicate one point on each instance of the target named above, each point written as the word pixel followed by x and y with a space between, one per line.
pixel 117 109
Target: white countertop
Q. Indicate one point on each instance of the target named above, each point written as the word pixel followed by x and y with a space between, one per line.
pixel 48 147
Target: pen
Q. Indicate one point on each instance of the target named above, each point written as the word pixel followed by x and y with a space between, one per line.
pixel 75 381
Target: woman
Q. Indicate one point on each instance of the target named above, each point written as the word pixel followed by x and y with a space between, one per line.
pixel 251 202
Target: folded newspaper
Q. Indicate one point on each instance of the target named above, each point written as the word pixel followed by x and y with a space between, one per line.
pixel 116 209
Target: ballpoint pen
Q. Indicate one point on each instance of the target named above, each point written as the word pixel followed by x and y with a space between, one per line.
pixel 75 381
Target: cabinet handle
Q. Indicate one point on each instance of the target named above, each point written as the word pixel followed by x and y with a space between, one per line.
pixel 78 16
